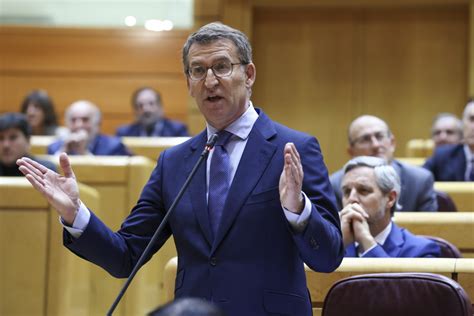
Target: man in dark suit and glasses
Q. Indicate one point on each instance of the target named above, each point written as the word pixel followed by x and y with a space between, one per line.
pixel 246 253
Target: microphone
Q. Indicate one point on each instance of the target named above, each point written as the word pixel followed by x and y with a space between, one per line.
pixel 205 153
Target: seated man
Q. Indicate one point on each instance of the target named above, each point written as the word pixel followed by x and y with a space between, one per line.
pixel 446 129
pixel 456 162
pixel 15 135
pixel 370 191
pixel 371 136
pixel 83 121
pixel 150 121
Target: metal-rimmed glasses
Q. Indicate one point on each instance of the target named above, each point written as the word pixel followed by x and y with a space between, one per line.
pixel 220 69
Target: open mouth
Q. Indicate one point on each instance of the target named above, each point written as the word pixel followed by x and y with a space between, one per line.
pixel 214 98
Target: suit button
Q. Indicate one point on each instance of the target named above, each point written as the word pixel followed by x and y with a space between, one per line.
pixel 213 261
pixel 314 244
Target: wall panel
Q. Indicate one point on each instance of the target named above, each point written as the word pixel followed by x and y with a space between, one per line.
pixel 319 68
pixel 104 66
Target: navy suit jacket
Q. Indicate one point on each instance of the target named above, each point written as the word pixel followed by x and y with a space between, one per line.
pixel 417 188
pixel 102 145
pixel 169 129
pixel 254 264
pixel 400 243
pixel 448 163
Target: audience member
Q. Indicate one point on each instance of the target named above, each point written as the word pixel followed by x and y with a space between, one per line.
pixel 456 162
pixel 150 121
pixel 188 307
pixel 15 135
pixel 370 191
pixel 446 129
pixel 370 136
pixel 39 110
pixel 83 120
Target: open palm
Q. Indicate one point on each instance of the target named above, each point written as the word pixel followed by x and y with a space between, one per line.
pixel 60 191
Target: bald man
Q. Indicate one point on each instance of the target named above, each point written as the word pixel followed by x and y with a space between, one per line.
pixel 370 136
pixel 83 120
pixel 456 162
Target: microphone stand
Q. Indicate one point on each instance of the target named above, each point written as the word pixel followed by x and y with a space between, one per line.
pixel 205 153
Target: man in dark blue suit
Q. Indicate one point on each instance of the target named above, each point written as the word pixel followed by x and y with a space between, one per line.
pixel 370 191
pixel 245 253
pixel 84 138
pixel 456 162
pixel 148 109
pixel 370 136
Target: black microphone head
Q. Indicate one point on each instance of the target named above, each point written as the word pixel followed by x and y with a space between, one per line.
pixel 212 141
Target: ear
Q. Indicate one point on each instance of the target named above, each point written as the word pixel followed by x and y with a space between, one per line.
pixel 251 74
pixel 392 199
pixel 188 85
pixel 350 151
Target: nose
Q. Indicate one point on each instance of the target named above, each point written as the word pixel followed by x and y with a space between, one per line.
pixel 353 196
pixel 77 124
pixel 211 80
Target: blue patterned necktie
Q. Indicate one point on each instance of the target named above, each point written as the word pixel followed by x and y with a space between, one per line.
pixel 219 180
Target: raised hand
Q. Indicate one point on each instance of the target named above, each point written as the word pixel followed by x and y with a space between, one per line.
pixel 291 180
pixel 60 191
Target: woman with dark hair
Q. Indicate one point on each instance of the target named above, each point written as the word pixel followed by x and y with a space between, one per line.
pixel 39 110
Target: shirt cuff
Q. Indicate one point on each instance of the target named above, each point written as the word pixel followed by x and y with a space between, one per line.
pixel 299 221
pixel 80 222
pixel 368 250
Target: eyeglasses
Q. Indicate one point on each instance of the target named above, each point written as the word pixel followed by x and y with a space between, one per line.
pixel 220 70
pixel 368 138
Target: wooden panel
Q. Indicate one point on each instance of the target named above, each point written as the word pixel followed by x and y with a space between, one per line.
pixel 416 66
pixel 104 66
pixel 471 49
pixel 98 50
pixel 23 269
pixel 307 82
pixel 17 192
pixel 69 286
pixel 319 68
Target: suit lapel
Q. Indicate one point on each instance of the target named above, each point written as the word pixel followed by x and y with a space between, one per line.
pixel 394 242
pixel 255 159
pixel 197 187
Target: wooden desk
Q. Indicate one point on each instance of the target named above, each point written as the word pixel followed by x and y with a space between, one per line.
pixel 462 194
pixel 319 284
pixel 120 180
pixel 151 147
pixel 456 227
pixel 38 276
pixel 419 148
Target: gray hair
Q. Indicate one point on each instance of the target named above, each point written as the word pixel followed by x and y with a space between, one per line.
pixel 386 177
pixel 215 31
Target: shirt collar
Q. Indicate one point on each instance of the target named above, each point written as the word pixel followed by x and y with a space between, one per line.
pixel 383 235
pixel 241 127
pixel 467 152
